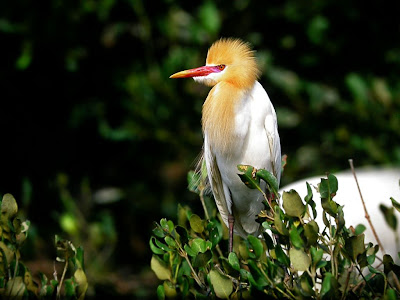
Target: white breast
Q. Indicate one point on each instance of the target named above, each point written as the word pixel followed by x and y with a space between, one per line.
pixel 253 114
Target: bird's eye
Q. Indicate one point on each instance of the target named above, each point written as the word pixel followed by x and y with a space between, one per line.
pixel 221 67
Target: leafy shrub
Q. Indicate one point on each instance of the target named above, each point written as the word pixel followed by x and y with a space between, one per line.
pixel 16 281
pixel 296 258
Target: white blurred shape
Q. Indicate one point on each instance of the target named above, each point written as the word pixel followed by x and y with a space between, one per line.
pixel 377 186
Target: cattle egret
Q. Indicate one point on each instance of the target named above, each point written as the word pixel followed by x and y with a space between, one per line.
pixel 239 127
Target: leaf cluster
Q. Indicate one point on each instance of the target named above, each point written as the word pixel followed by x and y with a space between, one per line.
pixel 16 281
pixel 295 258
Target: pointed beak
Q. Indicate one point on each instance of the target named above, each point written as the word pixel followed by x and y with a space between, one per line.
pixel 201 71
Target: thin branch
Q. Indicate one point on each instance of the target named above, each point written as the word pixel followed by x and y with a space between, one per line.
pixel 62 279
pixel 365 208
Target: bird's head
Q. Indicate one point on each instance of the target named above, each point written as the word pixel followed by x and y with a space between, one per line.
pixel 228 60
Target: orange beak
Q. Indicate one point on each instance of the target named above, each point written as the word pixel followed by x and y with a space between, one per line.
pixel 201 71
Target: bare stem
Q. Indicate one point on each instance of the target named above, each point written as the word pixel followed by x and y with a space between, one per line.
pixel 62 279
pixel 365 207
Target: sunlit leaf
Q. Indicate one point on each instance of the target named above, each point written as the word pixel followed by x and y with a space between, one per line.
pixel 292 204
pixel 15 288
pixel 196 223
pixel 299 259
pixel 160 268
pixel 199 245
pixel 221 284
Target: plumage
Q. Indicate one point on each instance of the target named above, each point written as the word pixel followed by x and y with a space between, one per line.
pixel 239 127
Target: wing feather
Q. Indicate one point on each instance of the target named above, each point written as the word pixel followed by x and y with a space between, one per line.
pixel 271 127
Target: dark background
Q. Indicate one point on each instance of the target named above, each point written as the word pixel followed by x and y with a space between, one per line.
pixel 96 141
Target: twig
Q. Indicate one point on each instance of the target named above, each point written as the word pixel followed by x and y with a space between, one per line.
pixel 365 208
pixel 62 279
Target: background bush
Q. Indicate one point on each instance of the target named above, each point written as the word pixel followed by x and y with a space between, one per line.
pixel 97 141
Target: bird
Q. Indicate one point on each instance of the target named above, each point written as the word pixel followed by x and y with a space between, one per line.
pixel 239 127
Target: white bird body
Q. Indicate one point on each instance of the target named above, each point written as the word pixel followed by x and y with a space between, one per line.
pixel 239 127
pixel 255 142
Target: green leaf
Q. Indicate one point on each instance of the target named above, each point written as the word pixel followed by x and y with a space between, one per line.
pixel 9 209
pixel 256 245
pixel 196 223
pixel 199 245
pixel 328 187
pixel 281 256
pixel 360 228
pixel 279 225
pixel 170 242
pixel 329 206
pixel 216 232
pixel 202 259
pixel 389 265
pixel 311 231
pixel 300 260
pixel 340 218
pixel 161 245
pixel 389 215
pixel 249 178
pixel 270 179
pixel 309 200
pixel 306 286
pixel 81 283
pixel 160 268
pixel 292 204
pixel 69 288
pixel 295 237
pixel 160 292
pixel 316 255
pixel 373 270
pixel 354 246
pixel 329 289
pixel 333 184
pixel 390 294
pixel 183 234
pixel 395 204
pixel 167 225
pixel 189 250
pixel 309 195
pixel 234 261
pixel 221 284
pixel 169 289
pixel 15 288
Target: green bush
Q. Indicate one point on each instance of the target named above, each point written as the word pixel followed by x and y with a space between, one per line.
pixel 296 258
pixel 16 281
